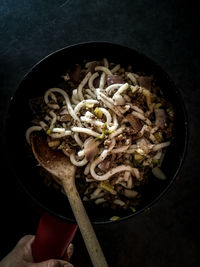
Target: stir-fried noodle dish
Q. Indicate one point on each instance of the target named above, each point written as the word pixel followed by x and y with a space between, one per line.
pixel 113 124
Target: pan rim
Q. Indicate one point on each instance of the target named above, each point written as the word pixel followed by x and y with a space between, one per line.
pixel 183 111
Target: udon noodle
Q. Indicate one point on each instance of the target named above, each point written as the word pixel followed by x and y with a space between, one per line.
pixel 113 124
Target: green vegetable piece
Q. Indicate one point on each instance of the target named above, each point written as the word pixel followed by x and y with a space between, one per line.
pixel 158 137
pixel 133 209
pixel 138 157
pixel 100 136
pixel 107 186
pixel 136 164
pixel 155 162
pixel 89 105
pixel 48 131
pixel 104 132
pixel 158 105
pixel 133 88
pixel 114 218
pixel 98 113
pixel 60 147
pixel 105 126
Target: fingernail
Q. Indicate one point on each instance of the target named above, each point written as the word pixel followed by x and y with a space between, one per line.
pixel 70 251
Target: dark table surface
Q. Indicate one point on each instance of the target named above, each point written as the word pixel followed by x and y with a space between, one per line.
pixel 168 32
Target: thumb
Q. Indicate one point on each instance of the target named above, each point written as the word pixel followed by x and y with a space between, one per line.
pixel 52 263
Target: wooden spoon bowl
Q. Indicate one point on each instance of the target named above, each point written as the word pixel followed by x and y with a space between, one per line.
pixel 63 171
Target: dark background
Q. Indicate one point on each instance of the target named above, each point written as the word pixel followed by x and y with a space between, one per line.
pixel 166 31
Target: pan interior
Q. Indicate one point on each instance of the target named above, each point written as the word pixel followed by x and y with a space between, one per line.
pixel 47 74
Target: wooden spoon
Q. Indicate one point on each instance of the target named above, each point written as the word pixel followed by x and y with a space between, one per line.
pixel 59 165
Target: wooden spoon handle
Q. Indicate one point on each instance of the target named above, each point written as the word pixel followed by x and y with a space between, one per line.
pixel 87 231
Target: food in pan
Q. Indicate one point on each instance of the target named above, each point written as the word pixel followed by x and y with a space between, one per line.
pixel 115 126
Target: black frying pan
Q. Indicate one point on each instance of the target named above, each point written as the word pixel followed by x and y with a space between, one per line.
pixel 46 74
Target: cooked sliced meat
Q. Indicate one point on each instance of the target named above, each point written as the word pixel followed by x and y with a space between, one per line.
pixel 160 118
pixel 104 165
pixel 92 66
pixel 96 82
pixel 112 79
pixel 90 148
pixel 139 100
pixel 75 73
pixel 145 81
pixel 65 118
pixel 135 123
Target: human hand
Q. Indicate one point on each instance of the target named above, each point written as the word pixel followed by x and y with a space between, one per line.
pixel 21 256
